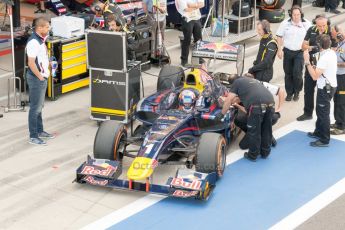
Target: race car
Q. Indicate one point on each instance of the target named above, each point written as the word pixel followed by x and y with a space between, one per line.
pixel 181 124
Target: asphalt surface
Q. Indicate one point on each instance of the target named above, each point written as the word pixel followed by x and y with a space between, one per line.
pixel 35 182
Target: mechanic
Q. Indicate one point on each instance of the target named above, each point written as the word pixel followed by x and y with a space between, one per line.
pixel 241 116
pixel 106 9
pixel 36 76
pixel 156 19
pixel 263 65
pixel 339 96
pixel 290 35
pixel 258 103
pixel 322 25
pixel 113 24
pixel 325 75
pixel 191 25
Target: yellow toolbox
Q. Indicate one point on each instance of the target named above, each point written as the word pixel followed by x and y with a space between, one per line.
pixel 72 70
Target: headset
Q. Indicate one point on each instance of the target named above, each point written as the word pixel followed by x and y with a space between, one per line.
pixel 321 16
pixel 340 36
pixel 296 7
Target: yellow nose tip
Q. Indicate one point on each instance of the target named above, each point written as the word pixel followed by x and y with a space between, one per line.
pixel 141 168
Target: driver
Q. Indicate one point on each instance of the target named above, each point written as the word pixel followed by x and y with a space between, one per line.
pixel 187 100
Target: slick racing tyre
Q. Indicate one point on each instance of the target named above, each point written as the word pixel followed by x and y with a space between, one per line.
pixel 273 4
pixel 168 76
pixel 272 15
pixel 211 154
pixel 110 141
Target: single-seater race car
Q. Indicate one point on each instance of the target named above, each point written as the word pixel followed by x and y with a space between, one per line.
pixel 180 124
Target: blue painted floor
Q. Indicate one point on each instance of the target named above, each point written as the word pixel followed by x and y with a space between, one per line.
pixel 253 195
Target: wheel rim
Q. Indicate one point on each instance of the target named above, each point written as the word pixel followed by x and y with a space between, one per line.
pixel 221 162
pixel 119 145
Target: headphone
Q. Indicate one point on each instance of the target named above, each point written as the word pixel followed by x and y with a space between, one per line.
pixel 98 8
pixel 321 16
pixel 296 7
pixel 340 36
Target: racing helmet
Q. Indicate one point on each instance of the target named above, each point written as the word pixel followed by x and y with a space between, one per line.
pixel 187 100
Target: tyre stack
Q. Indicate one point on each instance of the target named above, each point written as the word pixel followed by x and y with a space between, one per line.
pixel 272 11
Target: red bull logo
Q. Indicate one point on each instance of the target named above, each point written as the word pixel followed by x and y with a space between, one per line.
pixel 218 46
pixel 179 182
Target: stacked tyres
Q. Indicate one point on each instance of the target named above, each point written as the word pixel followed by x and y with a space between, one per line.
pixel 273 4
pixel 272 15
pixel 272 11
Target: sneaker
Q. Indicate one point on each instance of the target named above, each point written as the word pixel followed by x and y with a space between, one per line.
pixel 312 135
pixel 46 135
pixel 295 97
pixel 335 11
pixel 288 98
pixel 39 11
pixel 333 126
pixel 304 117
pixel 37 141
pixel 318 143
pixel 337 131
pixel 327 10
pixel 249 157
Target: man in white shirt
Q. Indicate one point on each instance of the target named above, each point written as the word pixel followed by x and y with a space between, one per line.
pixel 325 75
pixel 190 11
pixel 36 77
pixel 290 36
pixel 338 127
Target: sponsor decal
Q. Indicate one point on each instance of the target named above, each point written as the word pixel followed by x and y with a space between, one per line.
pixel 179 182
pixel 91 180
pixel 91 170
pixel 184 194
pixel 109 82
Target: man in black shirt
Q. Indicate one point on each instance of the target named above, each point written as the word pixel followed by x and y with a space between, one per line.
pixel 107 9
pixel 309 43
pixel 258 103
pixel 263 65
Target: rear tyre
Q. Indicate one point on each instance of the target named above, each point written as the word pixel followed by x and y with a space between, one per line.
pixel 110 141
pixel 276 4
pixel 211 154
pixel 272 15
pixel 168 76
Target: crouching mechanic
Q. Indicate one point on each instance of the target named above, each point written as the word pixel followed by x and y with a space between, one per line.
pixel 241 116
pixel 258 103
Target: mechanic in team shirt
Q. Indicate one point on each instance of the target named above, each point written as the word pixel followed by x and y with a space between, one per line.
pixel 258 102
pixel 241 116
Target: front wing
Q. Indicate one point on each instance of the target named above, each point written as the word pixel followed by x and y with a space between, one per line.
pixel 186 184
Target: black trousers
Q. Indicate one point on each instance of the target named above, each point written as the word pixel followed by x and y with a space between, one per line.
pixel 297 2
pixel 339 102
pixel 241 121
pixel 189 28
pixel 331 4
pixel 323 109
pixel 259 131
pixel 309 89
pixel 293 67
